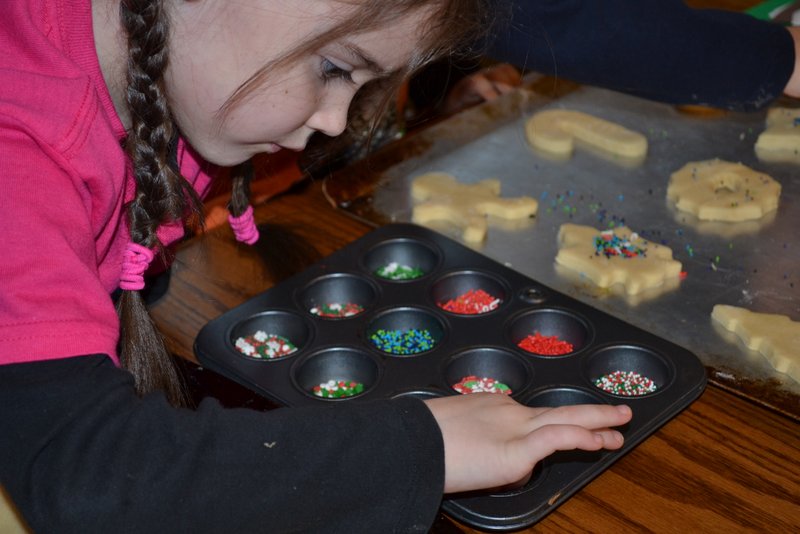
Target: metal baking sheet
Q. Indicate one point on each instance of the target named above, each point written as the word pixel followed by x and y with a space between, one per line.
pixel 751 264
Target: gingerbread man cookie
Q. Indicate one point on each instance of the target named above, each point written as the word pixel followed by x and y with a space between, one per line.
pixel 780 141
pixel 439 196
pixel 775 336
pixel 717 190
pixel 618 256
pixel 555 132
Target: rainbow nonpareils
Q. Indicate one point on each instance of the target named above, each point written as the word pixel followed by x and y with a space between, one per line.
pixel 626 384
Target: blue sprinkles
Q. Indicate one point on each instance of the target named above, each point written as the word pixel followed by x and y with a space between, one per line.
pixel 403 342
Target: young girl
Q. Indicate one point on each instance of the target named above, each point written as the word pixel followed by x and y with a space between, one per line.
pixel 113 114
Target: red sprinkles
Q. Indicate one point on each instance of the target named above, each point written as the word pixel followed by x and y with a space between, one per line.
pixel 545 345
pixel 473 302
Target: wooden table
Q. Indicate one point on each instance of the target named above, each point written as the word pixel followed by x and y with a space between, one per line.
pixel 724 464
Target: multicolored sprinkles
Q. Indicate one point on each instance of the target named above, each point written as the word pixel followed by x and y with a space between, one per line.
pixel 403 342
pixel 626 383
pixel 473 384
pixel 395 271
pixel 609 244
pixel 337 389
pixel 336 309
pixel 473 302
pixel 545 345
pixel 264 345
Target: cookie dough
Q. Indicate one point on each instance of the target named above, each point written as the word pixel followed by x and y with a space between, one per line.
pixel 555 132
pixel 618 256
pixel 439 196
pixel 775 336
pixel 780 141
pixel 718 190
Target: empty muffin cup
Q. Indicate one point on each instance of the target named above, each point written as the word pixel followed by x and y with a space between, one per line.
pixel 405 332
pixel 336 373
pixel 563 396
pixel 486 370
pixel 549 332
pixel 337 296
pixel 628 371
pixel 468 293
pixel 271 335
pixel 401 259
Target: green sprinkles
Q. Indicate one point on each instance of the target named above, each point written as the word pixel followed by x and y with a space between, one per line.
pixel 403 342
pixel 337 389
pixel 395 271
pixel 336 309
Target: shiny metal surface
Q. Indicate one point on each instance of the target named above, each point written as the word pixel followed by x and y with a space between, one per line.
pixel 755 265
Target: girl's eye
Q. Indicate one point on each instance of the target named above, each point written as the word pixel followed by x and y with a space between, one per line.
pixel 330 71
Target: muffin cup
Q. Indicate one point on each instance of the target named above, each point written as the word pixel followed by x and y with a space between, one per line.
pixel 401 252
pixel 288 325
pixel 636 363
pixel 561 328
pixel 344 290
pixel 336 364
pixel 452 293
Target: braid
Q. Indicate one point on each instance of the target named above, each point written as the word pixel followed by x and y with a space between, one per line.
pixel 242 175
pixel 162 194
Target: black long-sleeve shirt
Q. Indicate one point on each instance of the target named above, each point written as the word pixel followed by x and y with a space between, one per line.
pixel 80 452
pixel 658 49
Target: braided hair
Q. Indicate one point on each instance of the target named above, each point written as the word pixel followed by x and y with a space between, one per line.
pixel 162 194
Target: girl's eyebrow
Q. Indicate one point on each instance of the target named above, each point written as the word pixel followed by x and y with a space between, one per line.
pixel 362 57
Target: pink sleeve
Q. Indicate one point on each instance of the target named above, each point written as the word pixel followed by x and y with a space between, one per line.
pixel 55 300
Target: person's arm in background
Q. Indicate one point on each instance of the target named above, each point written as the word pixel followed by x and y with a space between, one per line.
pixel 657 49
pixel 793 86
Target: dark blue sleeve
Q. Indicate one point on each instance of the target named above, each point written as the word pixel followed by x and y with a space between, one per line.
pixel 656 49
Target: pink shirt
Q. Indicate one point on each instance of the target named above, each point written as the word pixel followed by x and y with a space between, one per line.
pixel 65 181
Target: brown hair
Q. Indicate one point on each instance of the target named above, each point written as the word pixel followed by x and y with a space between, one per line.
pixel 163 195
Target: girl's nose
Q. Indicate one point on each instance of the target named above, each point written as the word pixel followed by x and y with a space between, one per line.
pixel 330 116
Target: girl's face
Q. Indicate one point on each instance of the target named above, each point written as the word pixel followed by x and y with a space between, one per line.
pixel 217 45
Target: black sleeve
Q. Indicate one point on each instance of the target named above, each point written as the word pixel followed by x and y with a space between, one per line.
pixel 658 49
pixel 80 452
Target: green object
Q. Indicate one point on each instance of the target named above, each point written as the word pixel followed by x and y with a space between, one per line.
pixel 765 10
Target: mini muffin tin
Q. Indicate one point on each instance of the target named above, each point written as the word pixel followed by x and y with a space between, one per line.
pixel 483 345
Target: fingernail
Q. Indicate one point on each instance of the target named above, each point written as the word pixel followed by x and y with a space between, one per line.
pixel 624 409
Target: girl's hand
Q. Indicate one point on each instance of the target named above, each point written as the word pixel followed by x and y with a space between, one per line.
pixel 793 85
pixel 490 440
pixel 484 85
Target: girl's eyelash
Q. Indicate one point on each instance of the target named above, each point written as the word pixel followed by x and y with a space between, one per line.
pixel 330 71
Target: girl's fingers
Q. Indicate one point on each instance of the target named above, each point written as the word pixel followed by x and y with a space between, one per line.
pixel 590 416
pixel 546 440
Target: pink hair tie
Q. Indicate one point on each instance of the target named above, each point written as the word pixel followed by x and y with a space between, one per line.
pixel 135 261
pixel 244 226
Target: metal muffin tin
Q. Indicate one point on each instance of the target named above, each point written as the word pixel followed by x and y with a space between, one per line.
pixel 483 345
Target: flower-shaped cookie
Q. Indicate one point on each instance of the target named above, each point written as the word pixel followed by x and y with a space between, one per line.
pixel 618 256
pixel 717 190
pixel 775 336
pixel 440 197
